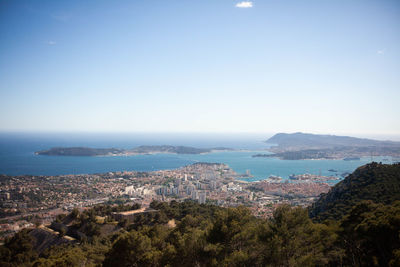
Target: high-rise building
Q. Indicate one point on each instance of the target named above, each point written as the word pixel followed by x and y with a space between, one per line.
pixel 189 189
pixel 213 185
pixel 251 196
pixel 129 190
pixel 202 197
pixel 195 195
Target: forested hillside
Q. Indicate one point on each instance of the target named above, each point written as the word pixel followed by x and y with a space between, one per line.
pixel 377 182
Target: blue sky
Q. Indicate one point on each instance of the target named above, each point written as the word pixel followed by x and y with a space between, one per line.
pixel 200 66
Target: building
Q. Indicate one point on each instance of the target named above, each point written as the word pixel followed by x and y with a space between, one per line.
pixel 195 194
pixel 202 197
pixel 5 196
pixel 129 190
pixel 213 185
pixel 130 215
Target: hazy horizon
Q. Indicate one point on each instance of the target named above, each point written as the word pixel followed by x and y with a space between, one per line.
pixel 262 136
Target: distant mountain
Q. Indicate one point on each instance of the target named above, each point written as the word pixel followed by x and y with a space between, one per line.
pixel 298 146
pixel 377 182
pixel 324 141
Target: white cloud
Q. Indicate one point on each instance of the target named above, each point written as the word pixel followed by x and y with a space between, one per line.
pixel 380 52
pixel 244 4
pixel 51 42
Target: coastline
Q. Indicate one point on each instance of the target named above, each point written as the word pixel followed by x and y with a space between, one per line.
pixel 239 160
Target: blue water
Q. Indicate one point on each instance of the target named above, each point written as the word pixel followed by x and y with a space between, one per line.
pixel 17 155
pixel 261 168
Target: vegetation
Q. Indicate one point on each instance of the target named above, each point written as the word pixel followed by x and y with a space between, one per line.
pixel 79 151
pixel 188 234
pixel 18 250
pixel 213 236
pixel 370 234
pixel 326 141
pixel 301 154
pixel 87 151
pixel 221 237
pixel 298 146
pixel 377 182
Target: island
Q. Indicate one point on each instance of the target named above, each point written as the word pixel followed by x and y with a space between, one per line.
pixel 140 150
pixel 80 151
pixel 297 146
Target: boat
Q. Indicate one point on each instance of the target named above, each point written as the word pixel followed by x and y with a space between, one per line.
pixel 275 178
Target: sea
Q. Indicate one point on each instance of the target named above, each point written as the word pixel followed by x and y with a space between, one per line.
pixel 17 155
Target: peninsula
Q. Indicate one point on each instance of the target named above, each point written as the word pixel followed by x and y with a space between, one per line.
pixel 91 152
pixel 297 146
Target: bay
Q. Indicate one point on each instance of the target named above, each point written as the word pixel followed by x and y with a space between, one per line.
pixel 17 155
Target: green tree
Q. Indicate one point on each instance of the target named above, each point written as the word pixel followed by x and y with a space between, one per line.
pixel 292 239
pixel 63 256
pixel 371 234
pixel 133 249
pixel 18 250
pixel 75 213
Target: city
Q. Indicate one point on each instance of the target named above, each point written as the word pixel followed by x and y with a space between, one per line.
pixel 29 200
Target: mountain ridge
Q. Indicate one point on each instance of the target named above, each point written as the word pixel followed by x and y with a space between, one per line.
pixel 324 140
pixel 296 146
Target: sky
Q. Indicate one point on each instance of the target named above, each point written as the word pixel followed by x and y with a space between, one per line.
pixel 200 66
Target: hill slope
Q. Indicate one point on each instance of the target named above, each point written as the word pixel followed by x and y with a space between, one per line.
pixel 79 151
pixel 324 141
pixel 90 152
pixel 377 182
